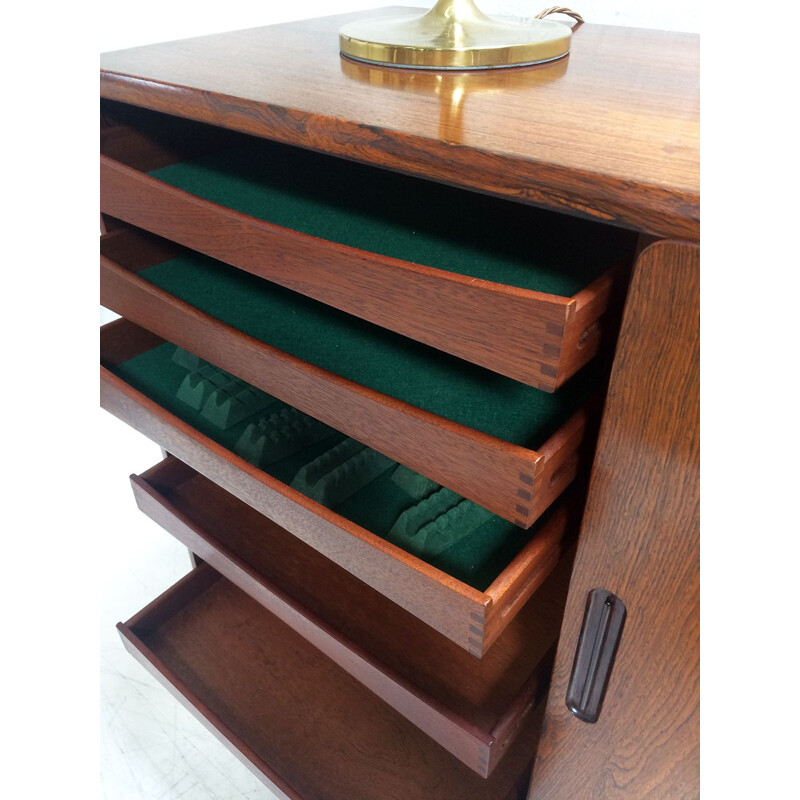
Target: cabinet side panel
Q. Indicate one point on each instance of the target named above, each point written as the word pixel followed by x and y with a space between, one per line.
pixel 640 540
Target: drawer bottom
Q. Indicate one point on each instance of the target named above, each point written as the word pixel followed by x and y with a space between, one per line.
pixel 296 719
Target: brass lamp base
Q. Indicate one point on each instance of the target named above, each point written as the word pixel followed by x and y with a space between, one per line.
pixel 454 34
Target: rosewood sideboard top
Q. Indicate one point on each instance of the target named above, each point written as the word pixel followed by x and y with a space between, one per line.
pixel 610 133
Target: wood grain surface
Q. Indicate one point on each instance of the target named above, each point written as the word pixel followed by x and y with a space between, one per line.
pixel 470 618
pixel 294 716
pixel 539 339
pixel 463 703
pixel 148 141
pixel 610 133
pixel 640 540
pixel 517 483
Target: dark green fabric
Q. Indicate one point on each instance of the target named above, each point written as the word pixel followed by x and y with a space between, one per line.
pixel 404 217
pixel 476 559
pixel 370 355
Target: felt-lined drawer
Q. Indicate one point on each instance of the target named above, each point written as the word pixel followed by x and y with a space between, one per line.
pixel 473 708
pixel 297 719
pixel 469 591
pixel 507 446
pixel 520 291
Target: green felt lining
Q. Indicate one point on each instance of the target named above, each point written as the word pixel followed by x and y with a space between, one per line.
pixel 475 559
pixel 370 355
pixel 404 217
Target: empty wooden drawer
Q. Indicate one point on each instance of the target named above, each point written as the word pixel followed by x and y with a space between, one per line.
pixel 474 708
pixel 298 720
pixel 507 446
pixel 468 591
pixel 515 289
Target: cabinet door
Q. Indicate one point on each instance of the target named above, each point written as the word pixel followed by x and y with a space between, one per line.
pixel 640 540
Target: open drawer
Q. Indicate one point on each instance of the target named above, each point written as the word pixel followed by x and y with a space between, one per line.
pixel 469 592
pixel 508 447
pixel 517 290
pixel 297 719
pixel 473 708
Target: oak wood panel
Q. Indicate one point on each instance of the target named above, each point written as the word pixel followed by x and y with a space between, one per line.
pixel 611 133
pixel 515 482
pixel 399 295
pixel 470 618
pixel 289 712
pixel 471 707
pixel 640 540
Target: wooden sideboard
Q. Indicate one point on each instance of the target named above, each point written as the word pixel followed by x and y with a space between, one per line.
pixel 371 222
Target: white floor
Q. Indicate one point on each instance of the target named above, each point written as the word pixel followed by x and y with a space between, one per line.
pixel 151 747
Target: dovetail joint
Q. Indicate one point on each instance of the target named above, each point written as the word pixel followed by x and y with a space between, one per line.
pixel 475 648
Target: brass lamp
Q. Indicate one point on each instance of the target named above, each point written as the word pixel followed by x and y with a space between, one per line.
pixel 456 35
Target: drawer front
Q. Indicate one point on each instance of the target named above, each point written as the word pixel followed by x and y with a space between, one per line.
pixel 532 336
pixel 293 716
pixel 515 482
pixel 529 345
pixel 472 707
pixel 471 618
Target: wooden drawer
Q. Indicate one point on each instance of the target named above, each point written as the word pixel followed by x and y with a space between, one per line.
pixel 474 708
pixel 298 720
pixel 471 615
pixel 508 447
pixel 517 290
